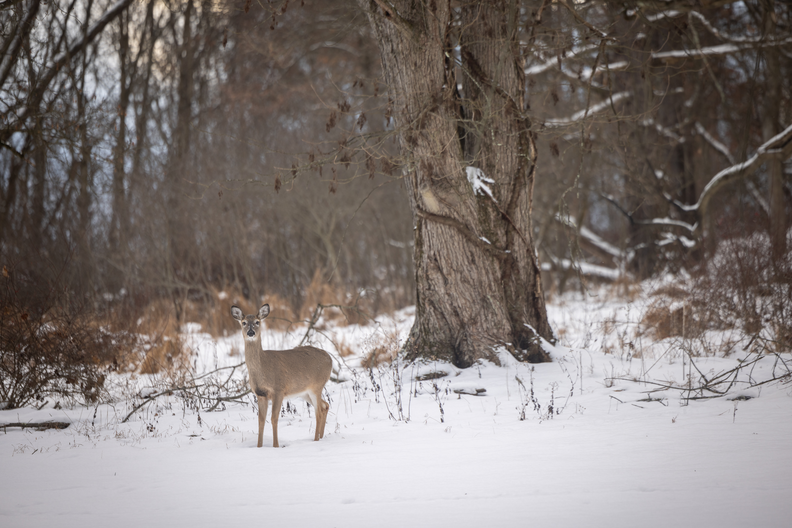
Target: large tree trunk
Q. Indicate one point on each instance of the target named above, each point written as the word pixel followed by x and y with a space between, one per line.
pixel 477 274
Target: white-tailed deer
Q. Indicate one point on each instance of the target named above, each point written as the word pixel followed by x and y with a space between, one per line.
pixel 278 374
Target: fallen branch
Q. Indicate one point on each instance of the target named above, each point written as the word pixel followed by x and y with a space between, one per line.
pixel 470 392
pixel 39 426
pixel 722 383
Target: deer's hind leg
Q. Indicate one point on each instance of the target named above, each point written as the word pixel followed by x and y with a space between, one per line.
pixel 320 408
pixel 323 409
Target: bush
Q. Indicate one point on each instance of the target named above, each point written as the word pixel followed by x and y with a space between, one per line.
pixel 740 287
pixel 46 349
pixel 744 287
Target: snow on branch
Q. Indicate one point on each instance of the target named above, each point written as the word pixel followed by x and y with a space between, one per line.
pixel 780 145
pixel 662 130
pixel 717 145
pixel 726 37
pixel 585 73
pixel 720 147
pixel 585 268
pixel 556 61
pixel 480 182
pixel 763 41
pixel 582 114
pixel 669 222
pixel 591 237
pixel 671 13
pixel 721 49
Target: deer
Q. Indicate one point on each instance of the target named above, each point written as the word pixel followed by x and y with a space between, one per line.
pixel 277 374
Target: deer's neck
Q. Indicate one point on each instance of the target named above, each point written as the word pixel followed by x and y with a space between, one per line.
pixel 252 346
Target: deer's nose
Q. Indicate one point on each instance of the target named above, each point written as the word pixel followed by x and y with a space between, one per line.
pixel 251 333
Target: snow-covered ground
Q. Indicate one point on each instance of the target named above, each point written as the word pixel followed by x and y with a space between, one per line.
pixel 607 454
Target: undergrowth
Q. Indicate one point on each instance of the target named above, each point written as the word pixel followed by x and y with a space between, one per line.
pixel 52 347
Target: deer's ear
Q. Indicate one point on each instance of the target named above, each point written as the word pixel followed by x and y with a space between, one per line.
pixel 264 311
pixel 236 312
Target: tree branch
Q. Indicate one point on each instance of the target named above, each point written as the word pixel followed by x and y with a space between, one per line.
pixel 64 57
pixel 780 145
pixel 597 108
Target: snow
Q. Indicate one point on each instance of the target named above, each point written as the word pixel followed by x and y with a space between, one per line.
pixel 671 13
pixel 585 268
pixel 720 147
pixel 720 49
pixel 556 60
pixel 605 456
pixel 673 222
pixel 776 144
pixel 664 131
pixel 592 237
pixel 480 182
pixel 586 112
pixel 758 40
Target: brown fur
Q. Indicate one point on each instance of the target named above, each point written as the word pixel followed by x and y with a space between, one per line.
pixel 278 374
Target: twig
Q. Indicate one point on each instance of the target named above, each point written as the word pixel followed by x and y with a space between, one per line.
pixel 318 313
pixel 217 399
pixel 190 389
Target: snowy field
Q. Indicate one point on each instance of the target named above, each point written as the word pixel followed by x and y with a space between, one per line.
pixel 579 442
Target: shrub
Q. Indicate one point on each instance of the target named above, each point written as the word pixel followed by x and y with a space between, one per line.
pixel 744 287
pixel 740 287
pixel 46 349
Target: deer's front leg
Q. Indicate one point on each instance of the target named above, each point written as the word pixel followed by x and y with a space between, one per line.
pixel 262 418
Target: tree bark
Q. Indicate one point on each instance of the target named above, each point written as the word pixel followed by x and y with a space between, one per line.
pixel 82 163
pixel 119 221
pixel 770 128
pixel 476 269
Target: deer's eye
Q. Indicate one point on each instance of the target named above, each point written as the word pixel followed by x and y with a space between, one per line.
pixel 244 323
pixel 258 322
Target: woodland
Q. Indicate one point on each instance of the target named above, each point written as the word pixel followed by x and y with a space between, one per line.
pixel 163 159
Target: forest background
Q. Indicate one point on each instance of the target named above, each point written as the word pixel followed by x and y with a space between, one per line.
pixel 160 160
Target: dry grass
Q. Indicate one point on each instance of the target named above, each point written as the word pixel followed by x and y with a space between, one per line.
pixel 166 354
pixel 342 306
pixel 382 350
pixel 158 318
pixel 740 288
pixel 164 350
pixel 282 316
pixel 215 317
pixel 667 318
pixel 625 287
pixel 380 355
